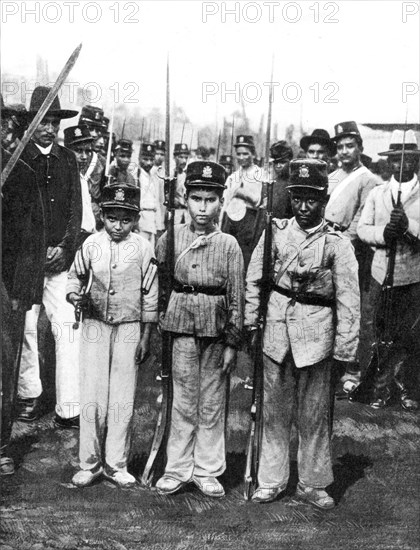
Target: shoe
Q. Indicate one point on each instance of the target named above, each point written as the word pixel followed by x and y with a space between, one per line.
pixel 27 409
pixel 381 399
pixel 209 486
pixel 168 485
pixel 264 494
pixel 86 477
pixel 407 403
pixel 67 423
pixel 349 386
pixel 120 477
pixel 318 497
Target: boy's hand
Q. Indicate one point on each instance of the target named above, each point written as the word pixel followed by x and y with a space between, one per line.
pixel 229 360
pixel 142 350
pixel 56 259
pixel 79 264
pixel 74 298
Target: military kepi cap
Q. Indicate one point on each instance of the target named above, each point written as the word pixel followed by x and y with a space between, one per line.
pixel 77 134
pixel 160 145
pixel 147 150
pixel 204 173
pixel 308 174
pixel 346 129
pixel 92 116
pixel 226 160
pixel 121 195
pixel 181 149
pixel 245 141
pixel 124 145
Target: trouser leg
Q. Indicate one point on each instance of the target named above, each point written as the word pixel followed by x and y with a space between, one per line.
pixel 279 401
pixel 29 383
pixel 95 359
pixel 184 419
pixel 122 388
pixel 313 418
pixel 67 344
pixel 209 451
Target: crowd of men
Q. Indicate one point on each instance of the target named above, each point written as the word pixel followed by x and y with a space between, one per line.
pixel 52 204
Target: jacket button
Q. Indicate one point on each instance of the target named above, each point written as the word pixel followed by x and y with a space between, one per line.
pixel 112 291
pixel 114 266
pixel 110 318
pixel 194 266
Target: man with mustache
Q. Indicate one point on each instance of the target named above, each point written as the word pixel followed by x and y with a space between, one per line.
pixel 57 175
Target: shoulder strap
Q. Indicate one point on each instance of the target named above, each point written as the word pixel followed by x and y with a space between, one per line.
pixel 199 241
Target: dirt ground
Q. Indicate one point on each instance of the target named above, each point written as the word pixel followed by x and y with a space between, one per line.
pixel 376 489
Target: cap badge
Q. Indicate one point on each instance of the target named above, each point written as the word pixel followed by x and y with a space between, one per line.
pixel 241 139
pixel 183 146
pixel 78 132
pixel 339 129
pixel 119 195
pixel 97 115
pixel 303 172
pixel 207 172
pixel 149 148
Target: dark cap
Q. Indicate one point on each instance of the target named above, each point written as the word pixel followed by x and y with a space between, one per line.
pixel 308 174
pixel 346 129
pixel 77 134
pixel 147 150
pixel 160 144
pixel 281 151
pixel 319 136
pixel 204 173
pixel 121 195
pixel 226 160
pixel 38 97
pixel 181 149
pixel 124 145
pixel 245 141
pixel 105 123
pixel 92 116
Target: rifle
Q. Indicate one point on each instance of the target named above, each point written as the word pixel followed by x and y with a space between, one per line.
pixel 108 175
pixel 81 306
pixel 382 347
pixel 156 462
pixel 254 441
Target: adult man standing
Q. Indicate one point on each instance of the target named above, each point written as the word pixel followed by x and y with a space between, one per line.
pixel 23 255
pixel 312 320
pixel 57 175
pixel 348 188
pixel 243 196
pixel 391 218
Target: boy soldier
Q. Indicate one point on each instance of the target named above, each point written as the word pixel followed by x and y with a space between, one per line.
pixel 148 192
pixel 115 334
pixel 312 318
pixel 281 154
pixel 385 223
pixel 204 314
pixel 227 162
pixel 119 168
pixel 181 155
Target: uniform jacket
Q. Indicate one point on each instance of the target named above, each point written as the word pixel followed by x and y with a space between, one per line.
pixel 245 186
pixel 326 268
pixel 345 209
pixel 148 201
pixel 23 234
pixel 215 261
pixel 375 216
pixel 118 271
pixel 57 176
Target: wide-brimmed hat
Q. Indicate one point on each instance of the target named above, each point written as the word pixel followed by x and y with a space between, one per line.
pixel 346 129
pixel 77 134
pixel 38 96
pixel 396 146
pixel 281 151
pixel 320 136
pixel 308 174
pixel 205 173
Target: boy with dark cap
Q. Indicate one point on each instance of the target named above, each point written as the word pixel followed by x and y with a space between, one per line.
pixel 149 192
pixel 116 334
pixel 281 154
pixel 204 314
pixel 181 156
pixel 119 168
pixel 312 318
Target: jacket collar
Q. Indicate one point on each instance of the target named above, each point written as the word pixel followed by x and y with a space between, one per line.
pixel 34 152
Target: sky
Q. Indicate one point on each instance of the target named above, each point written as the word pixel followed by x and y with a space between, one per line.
pixel 333 61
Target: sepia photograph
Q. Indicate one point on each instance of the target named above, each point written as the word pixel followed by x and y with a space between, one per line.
pixel 210 299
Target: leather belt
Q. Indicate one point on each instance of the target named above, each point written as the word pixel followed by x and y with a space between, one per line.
pixel 304 298
pixel 191 289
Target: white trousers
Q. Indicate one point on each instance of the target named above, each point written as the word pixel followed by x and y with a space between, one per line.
pixel 108 378
pixel 61 315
